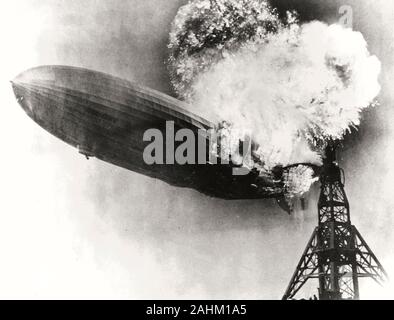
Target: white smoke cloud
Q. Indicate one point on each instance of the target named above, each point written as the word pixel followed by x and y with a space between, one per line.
pixel 292 86
pixel 205 30
pixel 308 82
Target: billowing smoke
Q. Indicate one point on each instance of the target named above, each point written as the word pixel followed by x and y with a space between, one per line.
pixel 293 86
pixel 204 31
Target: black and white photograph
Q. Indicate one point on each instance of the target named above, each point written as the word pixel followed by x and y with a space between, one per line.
pixel 197 150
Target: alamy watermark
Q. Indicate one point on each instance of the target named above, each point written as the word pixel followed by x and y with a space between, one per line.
pixel 346 16
pixel 186 146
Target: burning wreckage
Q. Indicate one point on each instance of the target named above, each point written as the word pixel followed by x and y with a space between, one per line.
pixel 106 117
pixel 292 86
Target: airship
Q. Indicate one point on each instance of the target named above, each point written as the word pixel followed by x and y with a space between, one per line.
pixel 105 117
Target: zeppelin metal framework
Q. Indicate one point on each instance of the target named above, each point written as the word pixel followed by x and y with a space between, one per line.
pixel 336 254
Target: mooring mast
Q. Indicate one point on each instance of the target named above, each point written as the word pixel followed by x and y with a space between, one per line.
pixel 336 253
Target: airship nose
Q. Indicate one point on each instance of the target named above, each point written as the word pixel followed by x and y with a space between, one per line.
pixel 18 90
pixel 21 93
pixel 24 86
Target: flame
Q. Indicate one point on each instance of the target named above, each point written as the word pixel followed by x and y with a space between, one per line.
pixel 289 84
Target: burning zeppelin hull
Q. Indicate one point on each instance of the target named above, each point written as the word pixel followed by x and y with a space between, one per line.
pixel 106 117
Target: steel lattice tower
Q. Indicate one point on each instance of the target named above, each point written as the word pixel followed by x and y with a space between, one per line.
pixel 336 253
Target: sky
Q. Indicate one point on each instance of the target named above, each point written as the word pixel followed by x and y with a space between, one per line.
pixel 72 228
